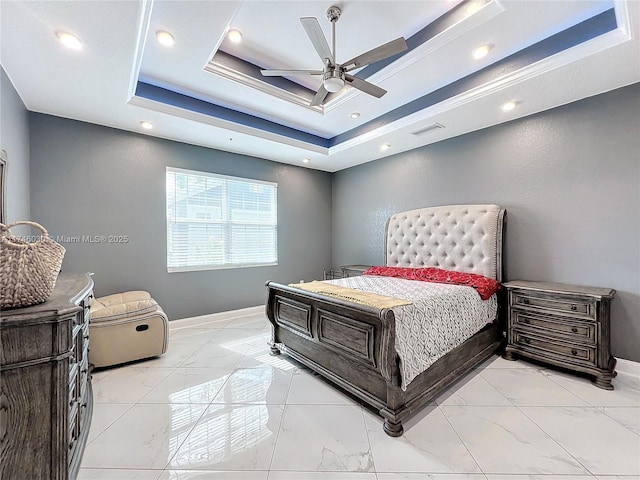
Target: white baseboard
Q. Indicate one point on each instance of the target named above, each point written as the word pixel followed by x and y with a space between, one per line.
pixel 211 319
pixel 628 371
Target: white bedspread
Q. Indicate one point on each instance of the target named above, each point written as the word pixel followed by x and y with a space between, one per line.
pixel 441 318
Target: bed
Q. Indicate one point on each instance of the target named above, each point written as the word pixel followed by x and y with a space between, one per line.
pixel 354 345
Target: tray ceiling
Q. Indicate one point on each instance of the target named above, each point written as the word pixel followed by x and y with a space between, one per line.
pixel 208 91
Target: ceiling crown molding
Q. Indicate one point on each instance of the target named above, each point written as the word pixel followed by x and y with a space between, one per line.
pixel 248 80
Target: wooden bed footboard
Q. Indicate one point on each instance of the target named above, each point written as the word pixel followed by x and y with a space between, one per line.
pixel 354 347
pixel 347 339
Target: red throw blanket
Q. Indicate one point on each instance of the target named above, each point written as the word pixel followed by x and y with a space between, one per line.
pixel 485 286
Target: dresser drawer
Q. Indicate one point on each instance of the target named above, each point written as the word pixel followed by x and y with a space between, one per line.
pixel 557 327
pixel 576 307
pixel 41 365
pixel 533 343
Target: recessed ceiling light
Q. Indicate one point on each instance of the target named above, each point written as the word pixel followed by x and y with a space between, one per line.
pixel 146 125
pixel 481 52
pixel 165 38
pixel 69 41
pixel 354 115
pixel 507 107
pixel 306 160
pixel 385 146
pixel 235 36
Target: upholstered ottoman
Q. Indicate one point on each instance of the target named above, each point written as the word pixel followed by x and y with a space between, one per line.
pixel 125 327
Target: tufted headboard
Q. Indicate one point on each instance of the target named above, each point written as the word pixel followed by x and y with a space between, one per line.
pixel 464 238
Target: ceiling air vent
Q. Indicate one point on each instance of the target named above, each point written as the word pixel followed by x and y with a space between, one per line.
pixel 428 128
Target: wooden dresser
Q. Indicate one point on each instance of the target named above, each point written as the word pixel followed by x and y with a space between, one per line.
pixel 45 384
pixel 564 325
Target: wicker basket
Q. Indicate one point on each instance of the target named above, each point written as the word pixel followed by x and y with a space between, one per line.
pixel 28 270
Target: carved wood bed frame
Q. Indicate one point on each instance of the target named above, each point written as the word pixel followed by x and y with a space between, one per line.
pixel 354 345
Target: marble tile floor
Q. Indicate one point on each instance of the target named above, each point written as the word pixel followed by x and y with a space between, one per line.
pixel 217 406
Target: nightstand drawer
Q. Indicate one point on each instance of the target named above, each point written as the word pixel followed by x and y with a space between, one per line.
pixel 582 332
pixel 564 325
pixel 576 307
pixel 530 342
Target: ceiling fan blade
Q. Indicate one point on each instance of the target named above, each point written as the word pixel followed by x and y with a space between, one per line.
pixel 379 53
pixel 364 86
pixel 320 96
pixel 312 27
pixel 282 73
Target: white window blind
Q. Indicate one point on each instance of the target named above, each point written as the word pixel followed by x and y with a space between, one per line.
pixel 216 221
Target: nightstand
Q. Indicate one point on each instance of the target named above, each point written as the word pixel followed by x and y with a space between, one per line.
pixel 353 270
pixel 564 325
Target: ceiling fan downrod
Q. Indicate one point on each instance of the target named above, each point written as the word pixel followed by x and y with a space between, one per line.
pixel 333 14
pixel 333 77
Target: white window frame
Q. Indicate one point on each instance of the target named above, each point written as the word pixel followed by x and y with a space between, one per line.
pixel 226 223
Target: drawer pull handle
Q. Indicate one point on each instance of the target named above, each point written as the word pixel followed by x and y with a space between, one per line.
pixel 574 308
pixel 574 330
pixel 525 301
pixel 86 337
pixel 526 340
pixel 142 328
pixel 574 352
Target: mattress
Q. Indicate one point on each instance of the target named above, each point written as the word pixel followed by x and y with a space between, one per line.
pixel 440 318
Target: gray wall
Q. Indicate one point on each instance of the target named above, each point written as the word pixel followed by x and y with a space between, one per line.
pixel 14 138
pixel 92 180
pixel 569 179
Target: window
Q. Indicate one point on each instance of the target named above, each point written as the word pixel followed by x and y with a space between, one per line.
pixel 215 221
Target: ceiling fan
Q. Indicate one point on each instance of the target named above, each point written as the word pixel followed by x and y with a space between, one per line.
pixel 334 75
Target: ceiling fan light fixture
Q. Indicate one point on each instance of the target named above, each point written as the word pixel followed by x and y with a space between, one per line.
pixel 333 84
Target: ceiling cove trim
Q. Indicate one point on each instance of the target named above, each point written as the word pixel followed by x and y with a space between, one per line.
pixel 582 32
pixel 246 73
pixel 174 103
pixel 548 64
pixel 492 75
pixel 144 20
pixel 456 22
pixel 467 15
